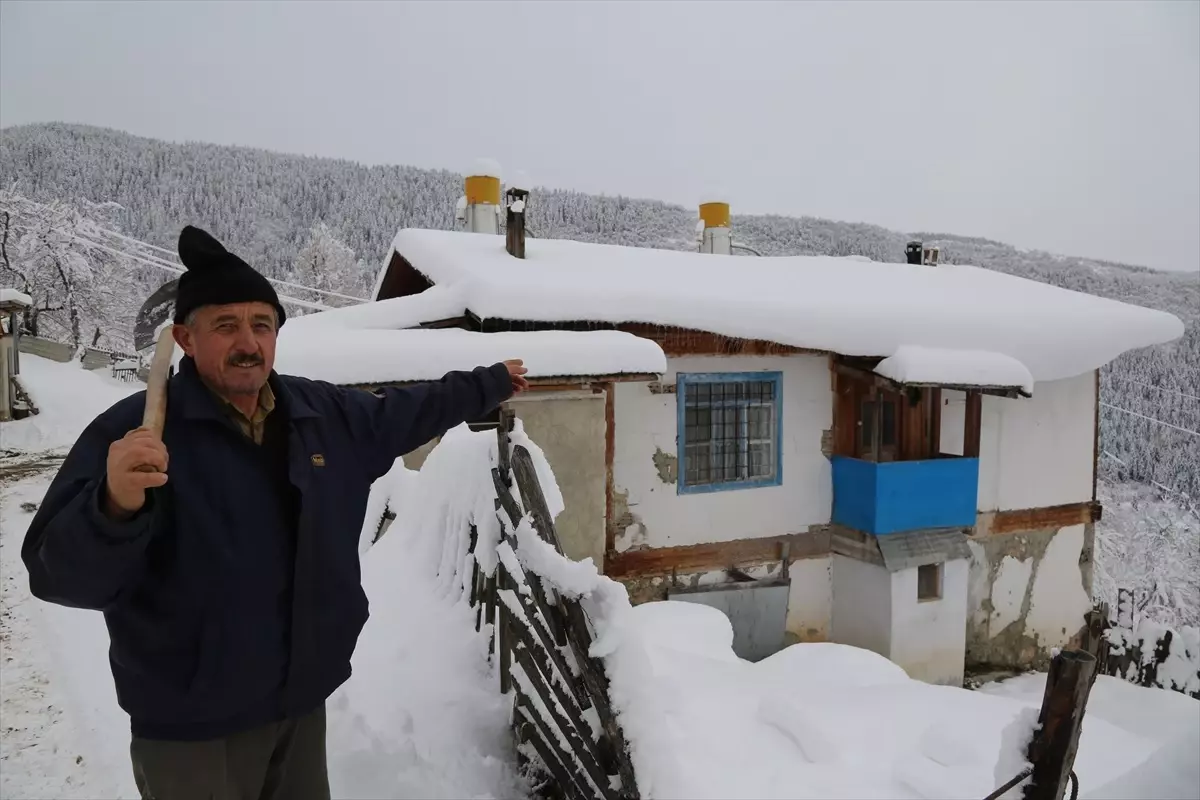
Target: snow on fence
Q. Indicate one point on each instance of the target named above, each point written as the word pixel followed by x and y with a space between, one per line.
pixel 1142 651
pixel 545 616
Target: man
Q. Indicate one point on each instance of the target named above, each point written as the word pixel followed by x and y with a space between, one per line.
pixel 225 555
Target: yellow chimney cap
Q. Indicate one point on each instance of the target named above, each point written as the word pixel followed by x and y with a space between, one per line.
pixel 715 215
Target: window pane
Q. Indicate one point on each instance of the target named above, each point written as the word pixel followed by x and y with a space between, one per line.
pixel 761 460
pixel 729 431
pixel 867 428
pixel 888 426
pixel 759 421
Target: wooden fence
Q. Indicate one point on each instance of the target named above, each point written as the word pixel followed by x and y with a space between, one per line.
pixel 1126 649
pixel 542 639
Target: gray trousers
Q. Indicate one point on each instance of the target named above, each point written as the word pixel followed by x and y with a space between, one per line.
pixel 281 761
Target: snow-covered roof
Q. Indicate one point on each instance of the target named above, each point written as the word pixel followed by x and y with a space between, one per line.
pixel 348 356
pixel 16 297
pixel 433 304
pixel 937 366
pixel 840 305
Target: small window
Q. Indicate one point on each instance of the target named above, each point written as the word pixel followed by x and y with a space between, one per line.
pixel 929 582
pixel 729 430
pixel 887 424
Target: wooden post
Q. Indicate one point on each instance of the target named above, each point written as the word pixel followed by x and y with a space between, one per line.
pixel 974 424
pixel 514 234
pixel 1052 751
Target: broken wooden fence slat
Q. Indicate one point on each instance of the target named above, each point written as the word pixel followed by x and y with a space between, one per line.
pixel 551 689
pixel 580 742
pixel 577 779
pixel 528 731
pixel 532 496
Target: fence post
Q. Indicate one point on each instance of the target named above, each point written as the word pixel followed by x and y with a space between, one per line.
pixel 1052 751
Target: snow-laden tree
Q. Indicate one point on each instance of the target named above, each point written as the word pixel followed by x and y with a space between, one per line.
pixel 55 253
pixel 326 263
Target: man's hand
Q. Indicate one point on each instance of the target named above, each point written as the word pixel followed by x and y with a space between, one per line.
pixel 516 371
pixel 135 463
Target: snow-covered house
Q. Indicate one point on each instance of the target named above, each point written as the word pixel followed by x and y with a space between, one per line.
pixel 900 457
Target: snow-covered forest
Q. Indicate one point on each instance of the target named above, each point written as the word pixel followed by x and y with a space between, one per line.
pixel 328 223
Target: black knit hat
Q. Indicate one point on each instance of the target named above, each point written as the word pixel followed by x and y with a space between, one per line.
pixel 215 276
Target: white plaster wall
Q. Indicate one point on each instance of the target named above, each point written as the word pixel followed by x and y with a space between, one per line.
pixel 1033 452
pixel 1058 601
pixel 1008 592
pixel 645 423
pixel 810 600
pixel 929 637
pixel 862 605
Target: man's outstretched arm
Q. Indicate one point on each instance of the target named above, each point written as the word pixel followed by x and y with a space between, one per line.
pixel 397 420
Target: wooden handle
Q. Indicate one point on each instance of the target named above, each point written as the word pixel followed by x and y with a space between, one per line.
pixel 156 383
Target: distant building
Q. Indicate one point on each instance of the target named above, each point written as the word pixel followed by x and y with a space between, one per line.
pixel 897 456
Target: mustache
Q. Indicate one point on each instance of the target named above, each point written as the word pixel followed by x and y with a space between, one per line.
pixel 244 360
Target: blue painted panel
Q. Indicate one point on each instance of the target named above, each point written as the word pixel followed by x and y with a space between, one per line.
pixel 854 493
pixel 935 493
pixel 905 495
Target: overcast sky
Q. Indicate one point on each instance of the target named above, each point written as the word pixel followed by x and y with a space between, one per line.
pixel 1072 127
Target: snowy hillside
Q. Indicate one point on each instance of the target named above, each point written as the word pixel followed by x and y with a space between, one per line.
pixel 328 223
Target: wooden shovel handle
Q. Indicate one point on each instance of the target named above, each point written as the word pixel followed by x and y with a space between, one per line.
pixel 155 414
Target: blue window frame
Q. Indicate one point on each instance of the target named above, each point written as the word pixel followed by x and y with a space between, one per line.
pixel 729 434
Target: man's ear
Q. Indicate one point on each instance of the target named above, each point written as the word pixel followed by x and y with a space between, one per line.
pixel 183 338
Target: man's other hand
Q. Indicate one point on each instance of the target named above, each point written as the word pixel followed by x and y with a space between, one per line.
pixel 135 463
pixel 516 371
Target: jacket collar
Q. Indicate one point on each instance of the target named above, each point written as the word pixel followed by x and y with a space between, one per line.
pixel 197 402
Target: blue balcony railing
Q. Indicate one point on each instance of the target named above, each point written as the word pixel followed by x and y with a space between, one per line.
pixel 893 496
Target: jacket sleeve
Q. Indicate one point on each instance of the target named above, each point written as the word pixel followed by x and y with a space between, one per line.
pixel 76 556
pixel 396 420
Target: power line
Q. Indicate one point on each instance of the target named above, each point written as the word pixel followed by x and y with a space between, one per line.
pixel 1152 386
pixel 1151 419
pixel 159 264
pixel 140 243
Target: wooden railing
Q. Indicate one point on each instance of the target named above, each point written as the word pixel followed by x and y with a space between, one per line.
pixel 541 639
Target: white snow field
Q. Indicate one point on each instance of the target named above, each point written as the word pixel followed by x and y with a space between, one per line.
pixel 422 717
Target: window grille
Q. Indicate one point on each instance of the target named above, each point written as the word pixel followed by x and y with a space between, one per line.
pixel 729 430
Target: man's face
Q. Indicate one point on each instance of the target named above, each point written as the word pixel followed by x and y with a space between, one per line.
pixel 233 346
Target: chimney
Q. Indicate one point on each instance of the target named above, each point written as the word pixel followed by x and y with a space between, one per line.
pixel 481 204
pixel 716 237
pixel 514 202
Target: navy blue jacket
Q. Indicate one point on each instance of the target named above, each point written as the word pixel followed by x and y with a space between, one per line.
pixel 234 597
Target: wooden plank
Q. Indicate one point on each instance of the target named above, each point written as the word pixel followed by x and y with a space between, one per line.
pixel 716 556
pixel 689 342
pixel 1032 519
pixel 610 450
pixel 973 425
pixel 543 643
pixel 532 497
pixel 617 755
pixel 935 422
pixel 1056 741
pixel 529 731
pixel 576 731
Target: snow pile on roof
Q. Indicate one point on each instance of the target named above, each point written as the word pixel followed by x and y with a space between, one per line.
pixel 348 356
pixel 433 304
pixel 68 398
pixel 14 296
pixel 827 720
pixel 823 303
pixel 946 367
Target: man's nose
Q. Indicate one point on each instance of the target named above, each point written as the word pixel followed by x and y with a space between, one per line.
pixel 245 341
